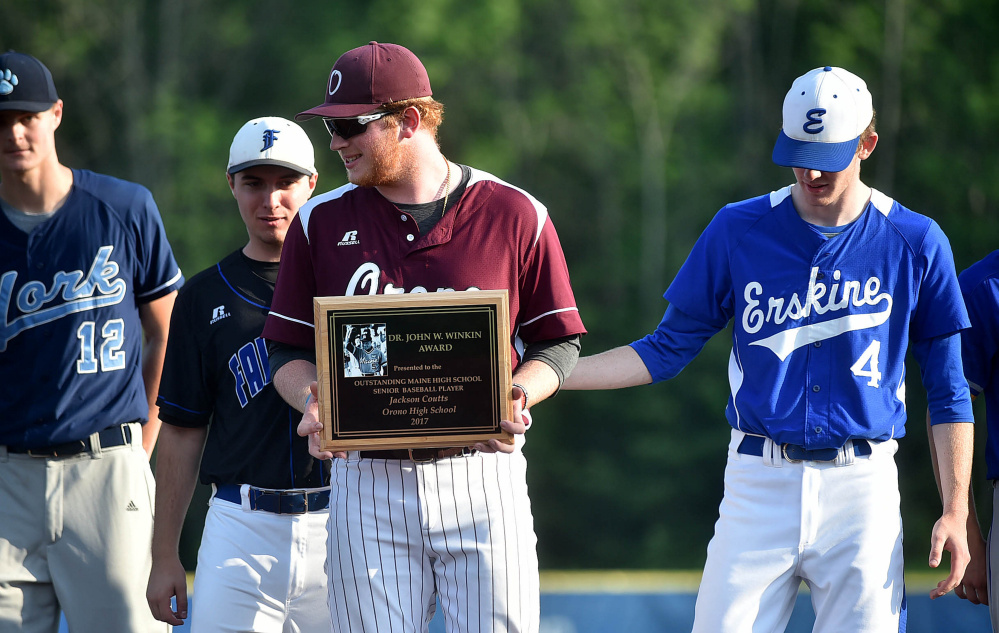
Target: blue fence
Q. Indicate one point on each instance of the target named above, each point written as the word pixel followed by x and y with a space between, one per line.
pixel 636 602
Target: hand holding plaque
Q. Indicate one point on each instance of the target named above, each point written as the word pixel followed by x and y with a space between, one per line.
pixel 413 371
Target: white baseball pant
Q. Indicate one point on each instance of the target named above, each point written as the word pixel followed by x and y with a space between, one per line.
pixel 259 571
pixel 837 528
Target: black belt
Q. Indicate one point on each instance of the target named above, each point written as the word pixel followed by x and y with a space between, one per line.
pixel 118 435
pixel 420 454
pixel 753 445
pixel 277 501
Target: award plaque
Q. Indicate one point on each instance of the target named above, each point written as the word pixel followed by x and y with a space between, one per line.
pixel 415 370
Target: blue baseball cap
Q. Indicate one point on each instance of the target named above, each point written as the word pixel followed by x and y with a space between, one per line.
pixel 825 112
pixel 25 83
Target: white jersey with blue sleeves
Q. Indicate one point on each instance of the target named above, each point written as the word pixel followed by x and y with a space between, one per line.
pixel 70 335
pixel 821 325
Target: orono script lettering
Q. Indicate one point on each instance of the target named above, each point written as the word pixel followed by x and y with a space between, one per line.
pixel 366 278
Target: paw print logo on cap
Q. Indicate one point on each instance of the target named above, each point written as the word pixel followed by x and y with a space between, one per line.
pixel 7 82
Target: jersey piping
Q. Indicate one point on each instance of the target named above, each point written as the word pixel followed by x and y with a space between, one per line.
pixel 236 292
pixel 171 282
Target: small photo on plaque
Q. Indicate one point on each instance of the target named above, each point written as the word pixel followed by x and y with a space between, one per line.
pixel 365 353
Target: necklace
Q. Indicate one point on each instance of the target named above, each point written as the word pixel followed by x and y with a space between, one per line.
pixel 445 186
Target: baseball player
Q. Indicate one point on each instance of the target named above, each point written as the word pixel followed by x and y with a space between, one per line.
pixel 260 565
pixel 370 358
pixel 980 354
pixel 450 523
pixel 87 282
pixel 826 282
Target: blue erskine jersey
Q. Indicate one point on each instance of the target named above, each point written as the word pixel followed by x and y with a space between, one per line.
pixel 70 335
pixel 980 346
pixel 821 325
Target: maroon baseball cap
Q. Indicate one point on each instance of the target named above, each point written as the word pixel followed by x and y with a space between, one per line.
pixel 369 76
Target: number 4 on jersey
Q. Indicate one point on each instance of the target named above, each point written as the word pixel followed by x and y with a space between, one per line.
pixel 870 359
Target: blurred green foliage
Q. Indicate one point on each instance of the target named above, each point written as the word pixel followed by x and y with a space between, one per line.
pixel 634 121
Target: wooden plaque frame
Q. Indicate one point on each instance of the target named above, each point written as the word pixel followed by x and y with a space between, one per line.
pixel 413 370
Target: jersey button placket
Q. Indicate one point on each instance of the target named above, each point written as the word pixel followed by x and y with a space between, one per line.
pixel 817 373
pixel 407 231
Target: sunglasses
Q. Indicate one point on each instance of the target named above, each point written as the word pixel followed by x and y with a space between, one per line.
pixel 346 128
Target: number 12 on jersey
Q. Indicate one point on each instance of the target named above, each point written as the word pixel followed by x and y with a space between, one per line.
pixel 111 356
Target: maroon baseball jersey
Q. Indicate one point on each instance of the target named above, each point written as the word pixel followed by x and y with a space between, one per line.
pixel 352 241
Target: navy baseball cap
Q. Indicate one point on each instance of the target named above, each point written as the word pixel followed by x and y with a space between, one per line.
pixel 25 83
pixel 369 76
pixel 825 112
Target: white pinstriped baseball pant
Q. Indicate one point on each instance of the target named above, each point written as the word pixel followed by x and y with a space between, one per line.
pixel 459 530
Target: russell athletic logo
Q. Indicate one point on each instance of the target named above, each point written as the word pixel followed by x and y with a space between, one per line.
pixel 269 137
pixel 349 239
pixel 218 314
pixel 821 299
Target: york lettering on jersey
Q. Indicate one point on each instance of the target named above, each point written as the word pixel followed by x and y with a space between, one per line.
pixel 71 291
pixel 251 370
pixel 819 299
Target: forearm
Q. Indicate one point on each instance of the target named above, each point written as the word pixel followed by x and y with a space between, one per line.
pixel 953 446
pixel 292 381
pixel 538 380
pixel 614 369
pixel 152 368
pixel 975 536
pixel 155 318
pixel 177 465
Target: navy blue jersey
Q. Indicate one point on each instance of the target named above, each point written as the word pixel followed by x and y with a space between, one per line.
pixel 821 325
pixel 980 346
pixel 71 338
pixel 217 374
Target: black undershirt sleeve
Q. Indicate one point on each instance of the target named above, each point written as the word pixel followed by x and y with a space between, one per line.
pixel 560 354
pixel 280 354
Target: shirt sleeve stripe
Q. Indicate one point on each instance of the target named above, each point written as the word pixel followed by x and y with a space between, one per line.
pixel 288 318
pixel 549 313
pixel 174 404
pixel 172 281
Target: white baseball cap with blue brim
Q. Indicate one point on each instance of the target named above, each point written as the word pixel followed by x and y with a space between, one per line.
pixel 271 140
pixel 825 112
